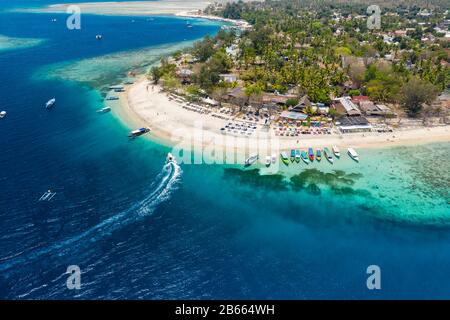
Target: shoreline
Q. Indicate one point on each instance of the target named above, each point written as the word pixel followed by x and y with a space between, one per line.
pixel 142 104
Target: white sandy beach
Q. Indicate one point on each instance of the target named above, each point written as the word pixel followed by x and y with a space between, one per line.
pixel 143 104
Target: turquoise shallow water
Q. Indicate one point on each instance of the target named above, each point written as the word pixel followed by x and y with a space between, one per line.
pixel 142 230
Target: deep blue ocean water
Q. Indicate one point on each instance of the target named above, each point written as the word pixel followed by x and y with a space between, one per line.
pixel 141 230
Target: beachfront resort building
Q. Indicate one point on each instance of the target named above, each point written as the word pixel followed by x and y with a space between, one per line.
pixel 345 105
pixel 354 124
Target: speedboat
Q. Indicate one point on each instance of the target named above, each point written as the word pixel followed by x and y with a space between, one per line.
pixel 170 158
pixel 268 161
pixel 138 132
pixel 284 157
pixel 251 160
pixel 2 114
pixel 318 155
pixel 274 158
pixel 50 103
pixel 292 155
pixel 353 154
pixel 336 152
pixel 311 154
pixel 297 156
pixel 104 110
pixel 304 156
pixel 328 155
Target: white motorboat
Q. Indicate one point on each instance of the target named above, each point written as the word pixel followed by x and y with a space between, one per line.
pixel 353 154
pixel 251 160
pixel 50 103
pixel 2 114
pixel 336 151
pixel 274 158
pixel 104 110
pixel 268 161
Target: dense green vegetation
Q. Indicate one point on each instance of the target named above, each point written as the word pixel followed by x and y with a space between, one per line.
pixel 324 49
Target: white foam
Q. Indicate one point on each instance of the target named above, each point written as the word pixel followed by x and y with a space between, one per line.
pixel 163 187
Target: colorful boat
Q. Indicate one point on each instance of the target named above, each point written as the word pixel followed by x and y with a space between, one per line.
pixel 353 154
pixel 304 156
pixel 311 154
pixel 284 157
pixel 328 155
pixel 336 152
pixel 318 155
pixel 297 156
pixel 292 155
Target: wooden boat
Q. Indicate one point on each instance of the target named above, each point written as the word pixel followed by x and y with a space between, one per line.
pixel 284 157
pixel 292 155
pixel 297 156
pixel 304 156
pixel 318 155
pixel 311 154
pixel 328 155
pixel 353 154
pixel 336 152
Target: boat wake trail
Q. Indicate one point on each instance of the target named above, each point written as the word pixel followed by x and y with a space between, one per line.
pixel 162 188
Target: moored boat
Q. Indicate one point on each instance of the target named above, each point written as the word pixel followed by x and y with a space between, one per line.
pixel 353 154
pixel 318 155
pixel 284 157
pixel 292 155
pixel 311 154
pixel 112 98
pixel 297 155
pixel 118 87
pixel 336 151
pixel 274 158
pixel 2 114
pixel 50 103
pixel 138 132
pixel 304 156
pixel 268 161
pixel 104 110
pixel 251 160
pixel 328 155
